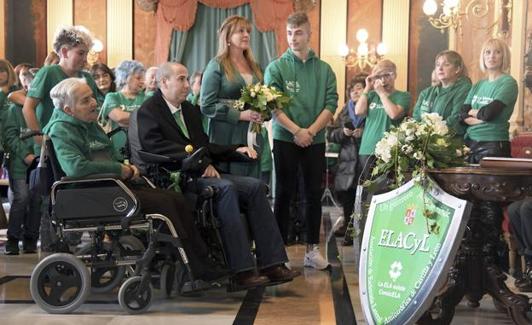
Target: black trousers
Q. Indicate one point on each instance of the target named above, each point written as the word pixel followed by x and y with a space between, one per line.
pixel 287 157
pixel 172 205
pixel 491 212
pixel 520 214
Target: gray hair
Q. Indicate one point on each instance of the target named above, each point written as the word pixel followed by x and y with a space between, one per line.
pixel 125 69
pixel 71 36
pixel 63 93
pixel 166 70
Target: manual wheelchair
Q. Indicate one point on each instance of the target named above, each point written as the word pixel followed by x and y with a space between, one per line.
pixel 123 241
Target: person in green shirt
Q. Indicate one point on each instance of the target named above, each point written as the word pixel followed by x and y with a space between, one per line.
pixel 448 97
pixel 82 148
pixel 150 81
pixel 299 130
pixel 489 104
pixel 118 106
pixel 104 78
pixel 8 84
pixel 383 106
pixel 72 44
pixel 194 97
pixel 25 211
pixel 233 68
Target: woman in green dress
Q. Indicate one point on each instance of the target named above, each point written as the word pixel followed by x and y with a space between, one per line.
pixel 118 106
pixel 232 69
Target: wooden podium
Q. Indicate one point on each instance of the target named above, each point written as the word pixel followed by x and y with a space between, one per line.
pixel 475 271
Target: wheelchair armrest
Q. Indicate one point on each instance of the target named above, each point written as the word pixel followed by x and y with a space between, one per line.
pixel 90 177
pixel 153 158
pixel 236 156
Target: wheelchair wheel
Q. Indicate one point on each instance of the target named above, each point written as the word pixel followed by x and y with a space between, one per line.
pixel 167 280
pixel 60 283
pixel 131 300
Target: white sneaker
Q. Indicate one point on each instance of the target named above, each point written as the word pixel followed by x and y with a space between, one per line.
pixel 314 259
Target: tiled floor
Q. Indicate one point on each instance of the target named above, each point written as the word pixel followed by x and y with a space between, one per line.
pixel 309 299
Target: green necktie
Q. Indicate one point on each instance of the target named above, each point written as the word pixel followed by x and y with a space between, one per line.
pixel 180 122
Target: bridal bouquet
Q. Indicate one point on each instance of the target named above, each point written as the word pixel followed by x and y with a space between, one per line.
pixel 413 147
pixel 262 99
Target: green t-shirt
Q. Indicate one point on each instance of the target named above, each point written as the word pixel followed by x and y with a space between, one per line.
pixel 118 100
pixel 484 92
pixel 378 122
pixel 447 102
pixel 45 80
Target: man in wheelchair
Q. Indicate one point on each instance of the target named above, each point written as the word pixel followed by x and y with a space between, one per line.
pixel 165 125
pixel 82 149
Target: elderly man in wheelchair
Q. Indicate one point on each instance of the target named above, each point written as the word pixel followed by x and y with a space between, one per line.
pixel 167 125
pixel 108 199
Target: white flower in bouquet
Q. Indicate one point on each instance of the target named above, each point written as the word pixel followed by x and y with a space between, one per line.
pixel 407 149
pixel 383 150
pixel 252 93
pixel 418 155
pixel 239 105
pixel 392 139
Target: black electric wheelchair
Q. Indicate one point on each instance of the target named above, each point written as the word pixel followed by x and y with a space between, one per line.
pixel 122 239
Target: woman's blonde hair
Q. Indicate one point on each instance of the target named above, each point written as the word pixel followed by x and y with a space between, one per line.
pixel 12 78
pixel 455 59
pixel 228 27
pixel 496 43
pixel 385 65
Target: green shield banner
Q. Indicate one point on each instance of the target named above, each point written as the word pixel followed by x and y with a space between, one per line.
pixel 403 264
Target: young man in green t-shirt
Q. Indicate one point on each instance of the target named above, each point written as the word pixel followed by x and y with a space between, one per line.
pixel 72 44
pixel 298 129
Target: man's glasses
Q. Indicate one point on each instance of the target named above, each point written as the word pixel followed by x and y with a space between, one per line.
pixel 387 75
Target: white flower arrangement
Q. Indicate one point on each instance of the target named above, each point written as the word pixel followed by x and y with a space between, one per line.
pixel 416 146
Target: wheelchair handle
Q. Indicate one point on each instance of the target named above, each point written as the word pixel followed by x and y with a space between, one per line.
pixel 28 133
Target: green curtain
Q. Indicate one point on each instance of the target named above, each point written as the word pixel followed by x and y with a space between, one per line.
pixel 195 47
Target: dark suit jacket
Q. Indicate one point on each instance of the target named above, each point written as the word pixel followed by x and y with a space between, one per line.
pixel 159 133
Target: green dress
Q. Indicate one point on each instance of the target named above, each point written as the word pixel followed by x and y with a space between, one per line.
pixel 112 101
pixel 225 128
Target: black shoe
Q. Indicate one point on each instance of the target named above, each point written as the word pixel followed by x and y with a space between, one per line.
pixel 12 246
pixel 247 280
pixel 29 246
pixel 279 274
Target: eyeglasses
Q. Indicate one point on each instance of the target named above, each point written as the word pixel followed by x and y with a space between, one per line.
pixel 387 75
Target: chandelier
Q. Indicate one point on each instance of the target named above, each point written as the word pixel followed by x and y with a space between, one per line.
pixel 452 12
pixel 363 58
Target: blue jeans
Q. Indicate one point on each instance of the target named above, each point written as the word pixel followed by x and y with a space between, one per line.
pixel 25 212
pixel 246 194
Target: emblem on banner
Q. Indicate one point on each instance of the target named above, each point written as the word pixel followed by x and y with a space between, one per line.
pixel 410 215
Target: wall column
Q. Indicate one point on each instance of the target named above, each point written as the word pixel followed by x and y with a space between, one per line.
pixel 395 31
pixel 119 31
pixel 518 44
pixel 58 13
pixel 332 36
